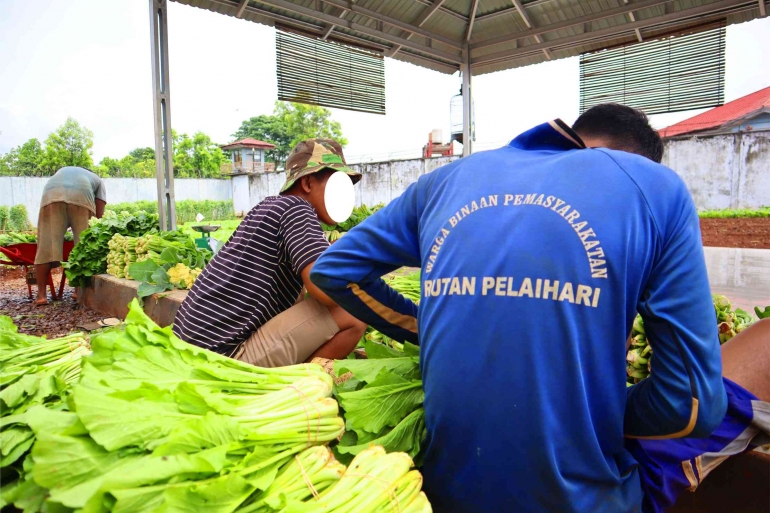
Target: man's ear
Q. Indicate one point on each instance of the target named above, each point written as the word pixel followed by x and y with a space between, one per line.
pixel 305 184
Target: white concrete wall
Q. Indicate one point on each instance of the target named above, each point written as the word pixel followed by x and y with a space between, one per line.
pixel 381 181
pixel 28 191
pixel 723 171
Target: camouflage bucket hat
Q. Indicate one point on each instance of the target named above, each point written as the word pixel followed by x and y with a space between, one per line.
pixel 314 155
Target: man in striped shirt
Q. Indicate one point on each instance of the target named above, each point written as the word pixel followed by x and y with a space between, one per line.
pixel 247 303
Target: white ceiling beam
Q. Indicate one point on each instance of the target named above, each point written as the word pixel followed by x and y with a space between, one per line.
pixel 355 27
pixel 427 13
pixel 471 19
pixel 241 8
pixel 443 9
pixel 685 14
pixel 643 4
pixel 411 28
pixel 330 28
pixel 632 18
pixel 530 24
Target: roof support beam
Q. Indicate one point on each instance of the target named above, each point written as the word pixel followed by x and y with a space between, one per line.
pixel 444 10
pixel 530 25
pixel 762 10
pixel 407 27
pixel 471 18
pixel 427 13
pixel 632 18
pixel 643 4
pixel 682 15
pixel 241 8
pixel 333 20
pixel 508 10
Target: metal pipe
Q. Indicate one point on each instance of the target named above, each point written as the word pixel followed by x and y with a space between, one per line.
pixel 161 107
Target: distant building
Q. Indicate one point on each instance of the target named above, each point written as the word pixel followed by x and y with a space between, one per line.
pixel 723 154
pixel 247 156
pixel 748 114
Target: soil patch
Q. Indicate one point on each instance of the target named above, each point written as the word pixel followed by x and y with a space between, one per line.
pixel 53 320
pixel 750 232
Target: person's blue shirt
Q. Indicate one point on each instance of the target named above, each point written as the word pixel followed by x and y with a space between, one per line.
pixel 535 259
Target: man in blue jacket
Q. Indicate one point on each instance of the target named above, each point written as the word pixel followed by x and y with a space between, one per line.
pixel 535 259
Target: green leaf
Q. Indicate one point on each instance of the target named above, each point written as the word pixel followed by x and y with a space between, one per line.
pixel 384 402
pixel 367 370
pixel 169 256
pixel 222 495
pixel 43 419
pixel 375 350
pixel 137 418
pixel 142 271
pixel 14 442
pixel 66 461
pixel 17 393
pixel 133 471
pixel 202 433
pixel 148 289
pixel 411 349
pixel 405 437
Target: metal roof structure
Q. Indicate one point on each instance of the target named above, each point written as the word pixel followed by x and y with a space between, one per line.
pixel 470 36
pixel 494 34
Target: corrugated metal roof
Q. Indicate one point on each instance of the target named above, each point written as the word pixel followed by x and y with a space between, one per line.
pixel 744 107
pixel 501 37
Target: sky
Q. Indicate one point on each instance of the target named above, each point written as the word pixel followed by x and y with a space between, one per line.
pixel 90 59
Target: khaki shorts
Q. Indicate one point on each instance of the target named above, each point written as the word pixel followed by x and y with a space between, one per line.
pixel 290 337
pixel 52 223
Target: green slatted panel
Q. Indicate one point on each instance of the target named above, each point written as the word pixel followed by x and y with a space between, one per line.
pixel 329 74
pixel 671 74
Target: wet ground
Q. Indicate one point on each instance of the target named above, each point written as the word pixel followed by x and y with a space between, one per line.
pixel 55 319
pixel 743 275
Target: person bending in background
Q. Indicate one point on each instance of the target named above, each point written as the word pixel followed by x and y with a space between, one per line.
pixel 245 302
pixel 71 197
pixel 535 259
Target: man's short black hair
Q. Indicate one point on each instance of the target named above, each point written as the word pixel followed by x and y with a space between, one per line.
pixel 627 129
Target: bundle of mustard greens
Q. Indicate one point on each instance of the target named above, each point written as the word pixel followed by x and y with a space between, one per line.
pixel 729 323
pixel 35 373
pixel 155 424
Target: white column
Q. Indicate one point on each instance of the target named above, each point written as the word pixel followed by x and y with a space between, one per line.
pixel 467 103
pixel 161 107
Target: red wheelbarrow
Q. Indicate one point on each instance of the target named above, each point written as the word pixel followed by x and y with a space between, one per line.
pixel 24 255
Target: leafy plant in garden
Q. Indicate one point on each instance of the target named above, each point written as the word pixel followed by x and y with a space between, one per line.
pixel 17 219
pixel 89 256
pixel 730 213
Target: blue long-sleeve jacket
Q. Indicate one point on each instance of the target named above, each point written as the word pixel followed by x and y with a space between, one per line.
pixel 535 259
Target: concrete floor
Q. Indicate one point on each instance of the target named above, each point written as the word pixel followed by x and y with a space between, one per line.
pixel 743 275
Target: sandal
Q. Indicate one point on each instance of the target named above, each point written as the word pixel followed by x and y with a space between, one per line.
pixel 40 302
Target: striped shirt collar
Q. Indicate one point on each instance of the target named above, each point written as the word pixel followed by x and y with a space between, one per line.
pixel 555 135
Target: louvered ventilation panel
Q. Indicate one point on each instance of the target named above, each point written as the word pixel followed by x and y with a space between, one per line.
pixel 329 74
pixel 670 74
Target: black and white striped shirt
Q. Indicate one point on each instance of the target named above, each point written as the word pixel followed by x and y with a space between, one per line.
pixel 254 277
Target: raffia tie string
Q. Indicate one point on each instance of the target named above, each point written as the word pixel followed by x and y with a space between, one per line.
pixel 306 399
pixel 308 482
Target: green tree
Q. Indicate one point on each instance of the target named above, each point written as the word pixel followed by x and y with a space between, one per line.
pixel 196 156
pixel 68 145
pixel 24 160
pixel 290 124
pixel 140 154
pixel 309 122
